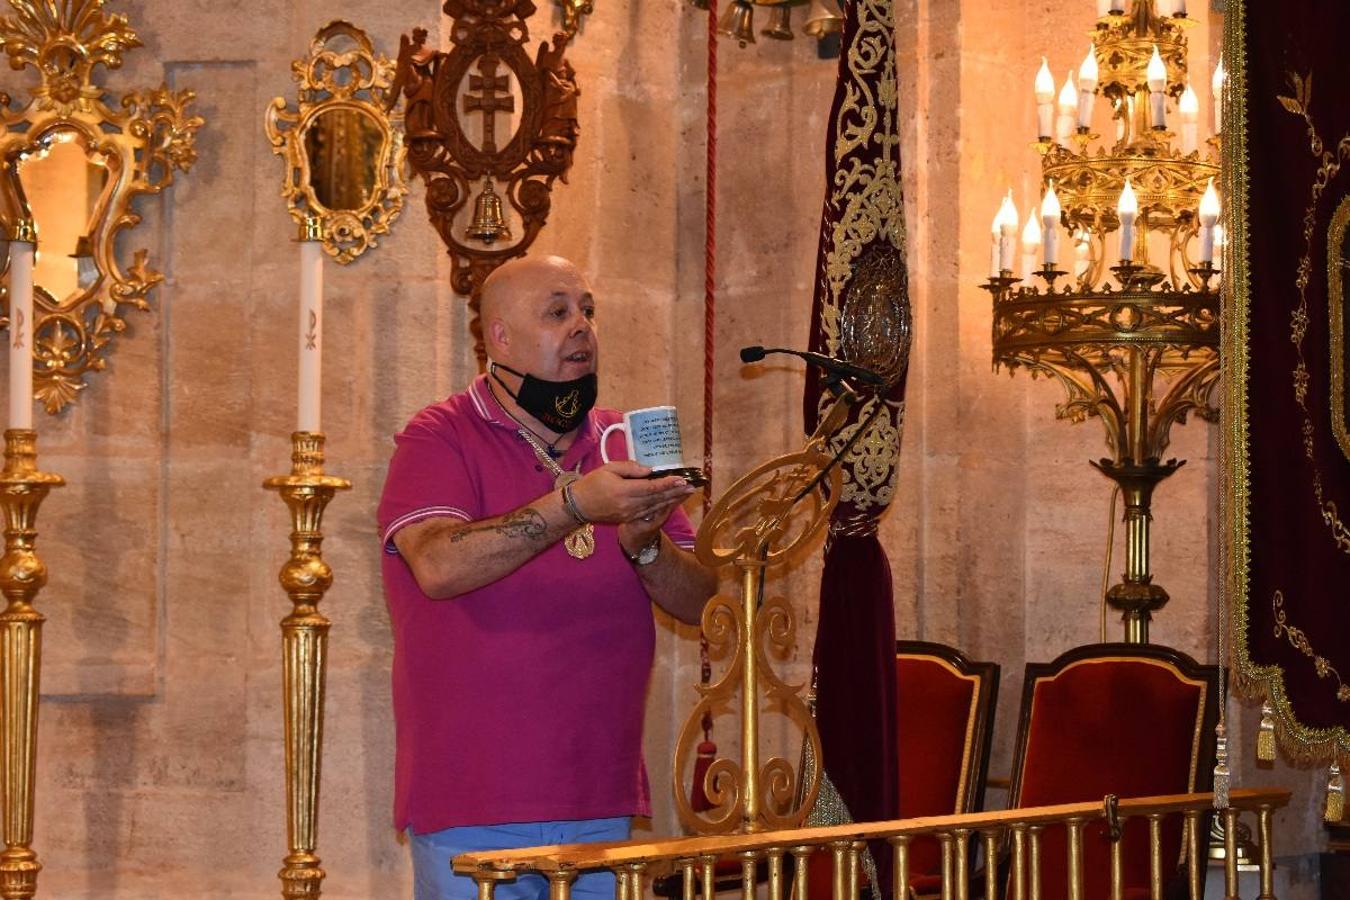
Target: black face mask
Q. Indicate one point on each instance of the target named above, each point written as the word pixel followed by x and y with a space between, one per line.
pixel 561 405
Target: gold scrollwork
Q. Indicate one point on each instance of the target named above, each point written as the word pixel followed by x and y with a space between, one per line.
pixel 75 165
pixel 1329 162
pixel 761 510
pixel 1338 266
pixel 1299 641
pixel 344 154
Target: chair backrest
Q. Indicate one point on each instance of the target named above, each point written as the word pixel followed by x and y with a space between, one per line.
pixel 944 724
pixel 945 706
pixel 1126 719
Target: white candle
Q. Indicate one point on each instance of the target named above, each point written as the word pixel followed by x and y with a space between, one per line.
pixel 1087 87
pixel 1103 7
pixel 1166 8
pixel 1081 248
pixel 1157 83
pixel 1117 7
pixel 1050 212
pixel 1178 8
pixel 1127 209
pixel 1067 120
pixel 993 242
pixel 1031 242
pixel 21 334
pixel 1216 85
pixel 1007 234
pixel 1045 101
pixel 1189 108
pixel 1209 219
pixel 1220 242
pixel 311 334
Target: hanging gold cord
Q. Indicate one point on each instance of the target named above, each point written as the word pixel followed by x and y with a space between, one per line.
pixel 1106 563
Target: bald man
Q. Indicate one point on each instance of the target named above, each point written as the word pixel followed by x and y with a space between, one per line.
pixel 520 570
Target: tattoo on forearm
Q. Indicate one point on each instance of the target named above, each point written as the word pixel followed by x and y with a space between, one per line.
pixel 523 523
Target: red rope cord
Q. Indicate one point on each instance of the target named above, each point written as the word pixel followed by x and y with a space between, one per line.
pixel 709 316
pixel 710 259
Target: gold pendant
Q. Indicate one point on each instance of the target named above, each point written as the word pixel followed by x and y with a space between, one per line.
pixel 580 544
pixel 564 479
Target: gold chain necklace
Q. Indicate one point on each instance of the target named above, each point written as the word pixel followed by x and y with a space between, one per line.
pixel 580 544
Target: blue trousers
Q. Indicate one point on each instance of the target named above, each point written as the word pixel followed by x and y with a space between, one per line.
pixel 433 879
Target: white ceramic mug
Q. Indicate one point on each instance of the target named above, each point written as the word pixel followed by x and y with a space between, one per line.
pixel 653 437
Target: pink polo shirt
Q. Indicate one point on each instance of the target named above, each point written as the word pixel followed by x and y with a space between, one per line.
pixel 521 701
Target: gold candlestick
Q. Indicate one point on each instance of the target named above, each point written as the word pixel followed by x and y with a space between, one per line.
pixel 304 642
pixel 22 575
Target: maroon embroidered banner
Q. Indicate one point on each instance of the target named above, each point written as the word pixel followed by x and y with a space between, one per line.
pixel 861 313
pixel 1287 419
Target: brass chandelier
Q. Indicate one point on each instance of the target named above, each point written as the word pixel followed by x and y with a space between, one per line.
pixel 1127 320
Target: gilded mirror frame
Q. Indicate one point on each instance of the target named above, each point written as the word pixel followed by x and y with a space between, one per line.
pixel 331 79
pixel 140 143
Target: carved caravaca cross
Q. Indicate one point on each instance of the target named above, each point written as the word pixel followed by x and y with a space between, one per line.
pixel 498 72
pixel 489 101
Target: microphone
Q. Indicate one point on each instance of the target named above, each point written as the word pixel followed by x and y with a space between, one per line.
pixel 820 361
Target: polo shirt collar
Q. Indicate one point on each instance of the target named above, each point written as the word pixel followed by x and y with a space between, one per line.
pixel 490 409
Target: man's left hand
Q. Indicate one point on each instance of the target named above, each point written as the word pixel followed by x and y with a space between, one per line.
pixel 638 531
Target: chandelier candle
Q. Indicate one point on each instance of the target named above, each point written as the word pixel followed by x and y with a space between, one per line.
pixel 1087 89
pixel 1209 219
pixel 1157 83
pixel 1067 120
pixel 993 243
pixel 1031 242
pixel 21 252
pixel 1127 209
pixel 1045 101
pixel 1050 213
pixel 1080 253
pixel 1007 234
pixel 311 325
pixel 1189 108
pixel 1216 85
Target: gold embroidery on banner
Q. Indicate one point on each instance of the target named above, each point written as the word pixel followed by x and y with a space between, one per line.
pixel 866 191
pixel 1303 745
pixel 1338 264
pixel 1299 641
pixel 1329 165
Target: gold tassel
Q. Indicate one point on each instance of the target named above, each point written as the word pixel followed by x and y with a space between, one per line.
pixel 1265 737
pixel 1335 795
pixel 1221 767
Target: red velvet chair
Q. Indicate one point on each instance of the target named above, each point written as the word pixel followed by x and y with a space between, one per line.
pixel 1134 720
pixel 945 720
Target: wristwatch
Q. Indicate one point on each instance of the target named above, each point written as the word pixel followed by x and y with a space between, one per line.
pixel 646 555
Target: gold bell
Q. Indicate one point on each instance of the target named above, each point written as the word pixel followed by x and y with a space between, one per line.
pixel 738 22
pixel 780 23
pixel 824 17
pixel 489 224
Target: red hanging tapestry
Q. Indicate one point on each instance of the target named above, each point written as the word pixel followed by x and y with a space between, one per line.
pixel 1286 412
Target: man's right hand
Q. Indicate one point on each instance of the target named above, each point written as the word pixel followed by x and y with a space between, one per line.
pixel 620 492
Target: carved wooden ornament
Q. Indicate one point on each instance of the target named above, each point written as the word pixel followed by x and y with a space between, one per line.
pixel 499 172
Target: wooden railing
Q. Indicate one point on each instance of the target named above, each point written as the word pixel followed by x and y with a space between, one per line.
pixel 696 858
